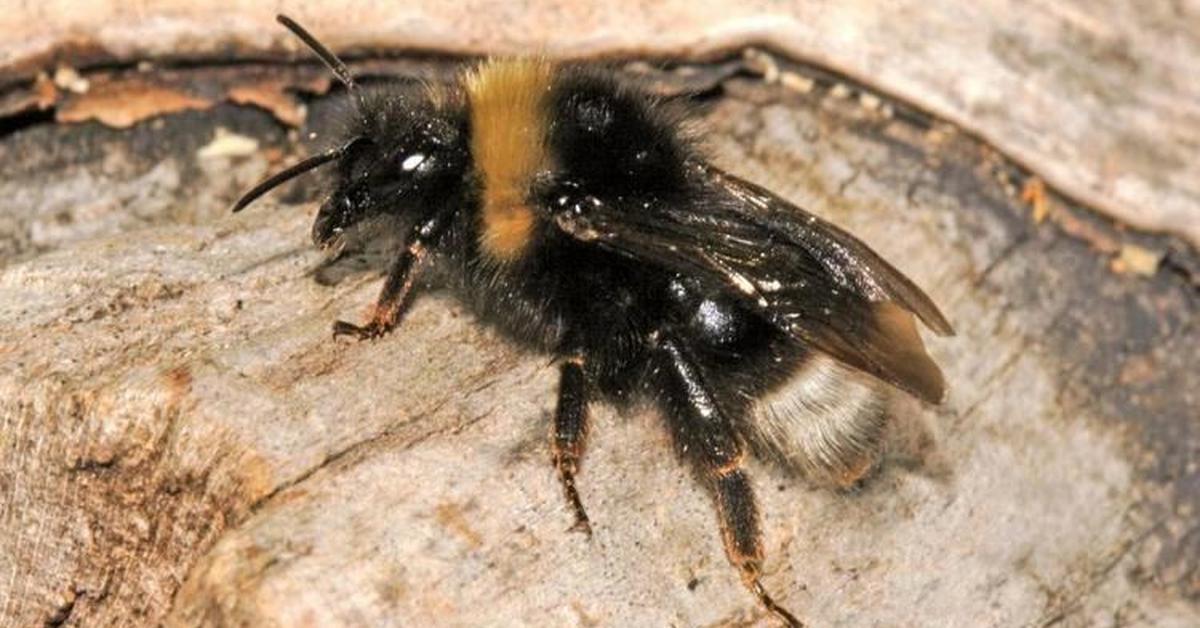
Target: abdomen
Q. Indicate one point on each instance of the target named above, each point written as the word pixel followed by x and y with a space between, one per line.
pixel 824 418
pixel 795 406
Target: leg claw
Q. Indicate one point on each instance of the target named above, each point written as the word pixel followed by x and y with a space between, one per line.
pixel 370 331
pixel 582 526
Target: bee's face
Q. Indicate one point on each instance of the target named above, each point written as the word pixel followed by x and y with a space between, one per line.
pixel 405 167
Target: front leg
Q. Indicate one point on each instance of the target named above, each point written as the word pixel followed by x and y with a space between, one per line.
pixel 396 294
pixel 394 297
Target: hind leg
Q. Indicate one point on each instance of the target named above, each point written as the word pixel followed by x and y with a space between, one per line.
pixel 706 438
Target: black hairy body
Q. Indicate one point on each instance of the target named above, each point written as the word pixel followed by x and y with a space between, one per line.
pixel 571 212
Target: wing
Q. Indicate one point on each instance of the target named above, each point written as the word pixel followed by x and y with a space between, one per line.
pixel 806 276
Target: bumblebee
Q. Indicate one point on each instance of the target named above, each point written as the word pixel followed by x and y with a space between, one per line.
pixel 576 215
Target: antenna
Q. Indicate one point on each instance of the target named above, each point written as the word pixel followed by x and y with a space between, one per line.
pixel 291 172
pixel 342 73
pixel 335 64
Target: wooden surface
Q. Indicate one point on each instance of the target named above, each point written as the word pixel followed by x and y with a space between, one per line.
pixel 1102 100
pixel 182 442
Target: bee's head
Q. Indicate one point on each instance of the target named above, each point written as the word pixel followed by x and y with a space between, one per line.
pixel 404 155
pixel 403 151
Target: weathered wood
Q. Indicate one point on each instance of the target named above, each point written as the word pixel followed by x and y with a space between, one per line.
pixel 181 441
pixel 1101 100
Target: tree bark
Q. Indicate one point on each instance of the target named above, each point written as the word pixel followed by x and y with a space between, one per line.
pixel 1100 100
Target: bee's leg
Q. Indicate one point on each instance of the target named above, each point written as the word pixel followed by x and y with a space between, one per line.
pixel 394 297
pixel 396 294
pixel 707 439
pixel 570 436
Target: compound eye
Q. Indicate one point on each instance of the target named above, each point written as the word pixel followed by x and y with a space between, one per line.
pixel 417 164
pixel 413 162
pixel 357 158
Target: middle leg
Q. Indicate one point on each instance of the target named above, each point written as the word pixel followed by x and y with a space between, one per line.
pixel 570 436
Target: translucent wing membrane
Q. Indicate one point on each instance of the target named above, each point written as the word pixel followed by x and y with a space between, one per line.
pixel 805 275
